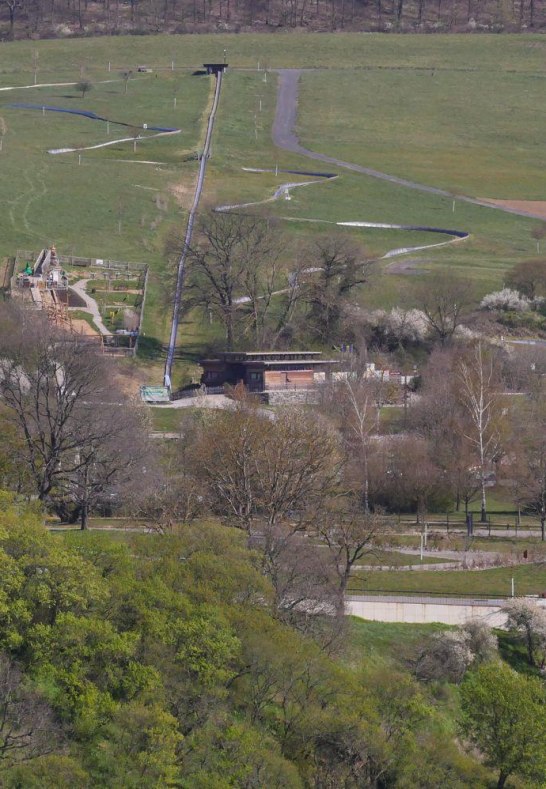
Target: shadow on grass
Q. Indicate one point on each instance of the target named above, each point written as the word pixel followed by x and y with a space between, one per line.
pixel 513 651
pixel 150 348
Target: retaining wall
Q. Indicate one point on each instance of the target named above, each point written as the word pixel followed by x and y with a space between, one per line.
pixel 292 397
pixel 449 611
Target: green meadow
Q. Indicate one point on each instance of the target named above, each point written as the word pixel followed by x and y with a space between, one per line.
pixel 461 112
pixel 529 579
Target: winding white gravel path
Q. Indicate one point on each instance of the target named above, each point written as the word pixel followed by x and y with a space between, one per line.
pixel 54 85
pixel 114 142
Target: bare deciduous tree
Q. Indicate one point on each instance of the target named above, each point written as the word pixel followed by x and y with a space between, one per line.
pixel 354 402
pixel 411 477
pixel 443 299
pixel 266 471
pixel 529 459
pixel 233 270
pixel 439 417
pixel 57 392
pixel 170 494
pixel 107 459
pixel 27 724
pixel 307 593
pixel 529 276
pixel 335 268
pixel 349 535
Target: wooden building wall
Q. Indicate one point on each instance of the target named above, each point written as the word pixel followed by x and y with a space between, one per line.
pixel 274 378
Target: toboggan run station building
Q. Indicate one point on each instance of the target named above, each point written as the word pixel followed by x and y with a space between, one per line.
pixel 278 376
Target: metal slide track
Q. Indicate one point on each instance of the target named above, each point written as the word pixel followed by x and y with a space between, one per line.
pixel 181 272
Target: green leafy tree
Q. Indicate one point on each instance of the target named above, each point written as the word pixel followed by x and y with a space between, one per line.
pixel 63 772
pixel 504 715
pixel 227 752
pixel 139 748
pixel 95 667
pixel 39 578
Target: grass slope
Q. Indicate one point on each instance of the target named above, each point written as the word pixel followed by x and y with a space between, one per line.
pixel 475 125
pixel 528 579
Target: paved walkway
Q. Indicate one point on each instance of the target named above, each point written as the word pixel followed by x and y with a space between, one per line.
pixel 199 401
pixel 205 401
pixel 91 306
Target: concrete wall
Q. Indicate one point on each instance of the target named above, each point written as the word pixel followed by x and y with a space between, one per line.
pixel 397 610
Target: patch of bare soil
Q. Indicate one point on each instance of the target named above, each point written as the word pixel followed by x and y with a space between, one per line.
pixel 410 266
pixel 183 194
pixel 533 207
pixel 82 327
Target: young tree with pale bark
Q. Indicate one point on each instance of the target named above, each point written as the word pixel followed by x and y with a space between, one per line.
pixel 479 387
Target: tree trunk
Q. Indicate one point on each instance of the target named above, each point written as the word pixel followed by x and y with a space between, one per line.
pixel 229 332
pixel 483 517
pixel 84 517
pixel 11 9
pixel 503 777
pixel 366 485
pixel 542 527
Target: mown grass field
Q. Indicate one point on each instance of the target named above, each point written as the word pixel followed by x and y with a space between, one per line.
pixel 166 420
pixel 460 112
pixel 475 132
pixel 528 579
pixel 396 559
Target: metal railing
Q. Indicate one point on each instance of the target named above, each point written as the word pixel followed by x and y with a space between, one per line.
pixel 287 386
pixel 76 260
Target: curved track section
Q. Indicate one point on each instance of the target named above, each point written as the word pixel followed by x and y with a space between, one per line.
pixel 21 105
pixel 181 271
pixel 284 191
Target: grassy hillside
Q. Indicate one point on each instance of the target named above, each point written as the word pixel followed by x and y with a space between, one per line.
pixel 458 112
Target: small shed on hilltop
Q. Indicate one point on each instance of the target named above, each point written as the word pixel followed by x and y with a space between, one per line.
pixel 215 68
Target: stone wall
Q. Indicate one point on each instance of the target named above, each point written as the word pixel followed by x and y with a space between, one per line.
pixel 292 397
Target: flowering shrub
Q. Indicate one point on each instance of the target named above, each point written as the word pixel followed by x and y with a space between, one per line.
pixel 505 299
